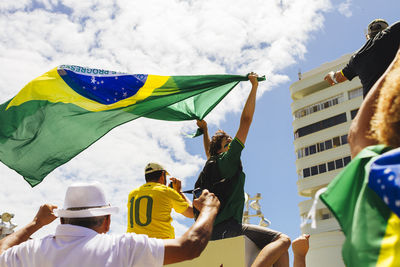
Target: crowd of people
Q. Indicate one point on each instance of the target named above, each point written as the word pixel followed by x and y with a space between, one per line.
pixel 81 237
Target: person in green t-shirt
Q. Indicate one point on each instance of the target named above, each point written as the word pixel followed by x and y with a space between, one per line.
pixel 228 223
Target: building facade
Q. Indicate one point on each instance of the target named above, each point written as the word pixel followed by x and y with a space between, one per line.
pixel 322 117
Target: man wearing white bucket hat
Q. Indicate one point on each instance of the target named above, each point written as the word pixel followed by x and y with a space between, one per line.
pixel 80 239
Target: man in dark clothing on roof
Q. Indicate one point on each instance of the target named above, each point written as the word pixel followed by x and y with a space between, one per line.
pixel 371 60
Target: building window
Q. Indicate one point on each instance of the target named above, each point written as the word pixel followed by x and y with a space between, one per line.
pixel 346 160
pixel 336 141
pixel 325 214
pixel 319 147
pixel 314 170
pixel 355 93
pixel 322 168
pixel 306 172
pixel 331 165
pixel 353 113
pixel 344 139
pixel 321 125
pixel 319 106
pixel 339 163
pixel 328 144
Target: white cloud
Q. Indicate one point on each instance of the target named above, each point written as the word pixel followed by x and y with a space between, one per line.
pixel 158 37
pixel 345 8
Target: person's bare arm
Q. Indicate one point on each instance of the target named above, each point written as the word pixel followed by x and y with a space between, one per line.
pixel 188 213
pixel 248 110
pixel 177 185
pixel 335 77
pixel 193 242
pixel 300 248
pixel 43 217
pixel 359 132
pixel 206 139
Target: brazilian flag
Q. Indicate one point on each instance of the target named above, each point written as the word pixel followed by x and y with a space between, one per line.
pixel 64 111
pixel 365 199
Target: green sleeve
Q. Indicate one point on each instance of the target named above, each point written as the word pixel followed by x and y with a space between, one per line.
pixel 229 161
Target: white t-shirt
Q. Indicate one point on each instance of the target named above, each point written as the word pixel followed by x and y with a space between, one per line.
pixel 79 246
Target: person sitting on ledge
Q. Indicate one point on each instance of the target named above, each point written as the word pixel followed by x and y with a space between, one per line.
pixel 229 219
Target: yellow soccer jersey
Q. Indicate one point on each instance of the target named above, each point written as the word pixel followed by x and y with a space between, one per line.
pixel 149 210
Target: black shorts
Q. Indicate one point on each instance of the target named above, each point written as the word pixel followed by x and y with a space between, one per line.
pixel 261 236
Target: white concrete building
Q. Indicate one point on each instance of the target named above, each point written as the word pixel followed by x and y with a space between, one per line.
pixel 322 116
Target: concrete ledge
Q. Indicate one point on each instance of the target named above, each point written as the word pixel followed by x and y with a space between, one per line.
pixel 230 252
pixel 325 250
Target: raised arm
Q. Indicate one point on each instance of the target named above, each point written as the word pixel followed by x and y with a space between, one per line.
pixel 248 110
pixel 193 242
pixel 300 248
pixel 335 77
pixel 359 133
pixel 43 217
pixel 206 139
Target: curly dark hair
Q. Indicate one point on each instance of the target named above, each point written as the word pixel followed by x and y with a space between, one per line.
pixel 385 124
pixel 216 140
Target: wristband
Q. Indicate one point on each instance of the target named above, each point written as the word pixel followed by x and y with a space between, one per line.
pixel 332 75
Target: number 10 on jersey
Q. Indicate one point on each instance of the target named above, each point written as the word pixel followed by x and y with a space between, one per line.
pixel 134 208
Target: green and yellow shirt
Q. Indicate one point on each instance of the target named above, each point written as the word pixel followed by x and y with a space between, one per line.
pixel 149 210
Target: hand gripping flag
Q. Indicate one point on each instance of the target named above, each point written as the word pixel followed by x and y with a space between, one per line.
pixel 365 199
pixel 64 111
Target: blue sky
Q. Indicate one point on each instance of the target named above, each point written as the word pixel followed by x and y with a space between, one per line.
pixel 274 38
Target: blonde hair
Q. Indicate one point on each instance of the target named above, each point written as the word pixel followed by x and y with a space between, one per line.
pixel 385 124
